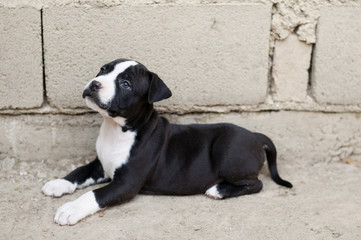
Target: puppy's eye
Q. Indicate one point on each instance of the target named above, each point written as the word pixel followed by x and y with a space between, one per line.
pixel 101 71
pixel 125 85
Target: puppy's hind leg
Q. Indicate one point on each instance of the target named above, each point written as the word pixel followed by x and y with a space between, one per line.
pixel 225 190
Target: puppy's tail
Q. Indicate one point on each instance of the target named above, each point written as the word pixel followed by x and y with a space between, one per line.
pixel 271 155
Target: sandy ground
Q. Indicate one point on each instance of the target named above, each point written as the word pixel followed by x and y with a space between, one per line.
pixel 324 204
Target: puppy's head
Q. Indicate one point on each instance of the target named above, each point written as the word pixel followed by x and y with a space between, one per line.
pixel 122 88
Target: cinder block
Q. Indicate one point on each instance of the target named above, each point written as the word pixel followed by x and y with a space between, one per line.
pixel 39 137
pixel 291 62
pixel 21 74
pixel 337 58
pixel 207 54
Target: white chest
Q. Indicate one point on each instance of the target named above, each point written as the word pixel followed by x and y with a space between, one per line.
pixel 113 146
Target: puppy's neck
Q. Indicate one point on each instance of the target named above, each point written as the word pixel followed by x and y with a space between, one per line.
pixel 142 118
pixel 135 123
pixel 120 121
pixel 117 122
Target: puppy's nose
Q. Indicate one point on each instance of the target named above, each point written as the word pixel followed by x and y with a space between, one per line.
pixel 95 86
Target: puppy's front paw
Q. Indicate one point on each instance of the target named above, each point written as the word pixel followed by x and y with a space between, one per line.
pixel 72 212
pixel 58 187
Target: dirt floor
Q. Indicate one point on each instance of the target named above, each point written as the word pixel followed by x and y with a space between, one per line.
pixel 324 204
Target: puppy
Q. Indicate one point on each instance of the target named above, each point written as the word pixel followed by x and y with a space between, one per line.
pixel 140 152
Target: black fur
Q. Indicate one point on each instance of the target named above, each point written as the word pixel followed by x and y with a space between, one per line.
pixel 93 170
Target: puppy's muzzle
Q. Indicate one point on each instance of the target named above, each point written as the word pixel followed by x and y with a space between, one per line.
pixel 92 89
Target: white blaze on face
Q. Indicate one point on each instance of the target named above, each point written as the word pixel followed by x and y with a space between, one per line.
pixel 107 91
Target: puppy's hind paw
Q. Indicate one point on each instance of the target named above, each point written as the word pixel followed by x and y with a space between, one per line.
pixel 213 193
pixel 58 187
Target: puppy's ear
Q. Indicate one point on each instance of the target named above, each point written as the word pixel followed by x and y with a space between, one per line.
pixel 157 89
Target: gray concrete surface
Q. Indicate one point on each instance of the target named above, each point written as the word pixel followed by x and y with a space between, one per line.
pixel 324 204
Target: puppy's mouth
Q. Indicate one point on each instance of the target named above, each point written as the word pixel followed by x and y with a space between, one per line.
pixel 93 97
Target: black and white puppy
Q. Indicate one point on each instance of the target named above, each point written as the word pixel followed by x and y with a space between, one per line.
pixel 140 152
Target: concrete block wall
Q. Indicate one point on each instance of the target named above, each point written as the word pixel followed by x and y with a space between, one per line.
pixel 289 69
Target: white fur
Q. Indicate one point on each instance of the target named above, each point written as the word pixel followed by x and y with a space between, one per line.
pixel 87 182
pixel 71 212
pixel 212 192
pixel 58 187
pixel 113 145
pixel 95 107
pixel 91 181
pixel 107 91
pixel 119 120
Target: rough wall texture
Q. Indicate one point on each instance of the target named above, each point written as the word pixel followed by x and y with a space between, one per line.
pixel 21 72
pixel 337 71
pixel 303 138
pixel 195 49
pixel 291 62
pixel 286 68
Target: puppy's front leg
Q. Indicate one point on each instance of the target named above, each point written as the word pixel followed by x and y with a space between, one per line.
pixel 81 177
pixel 71 212
pixel 123 187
